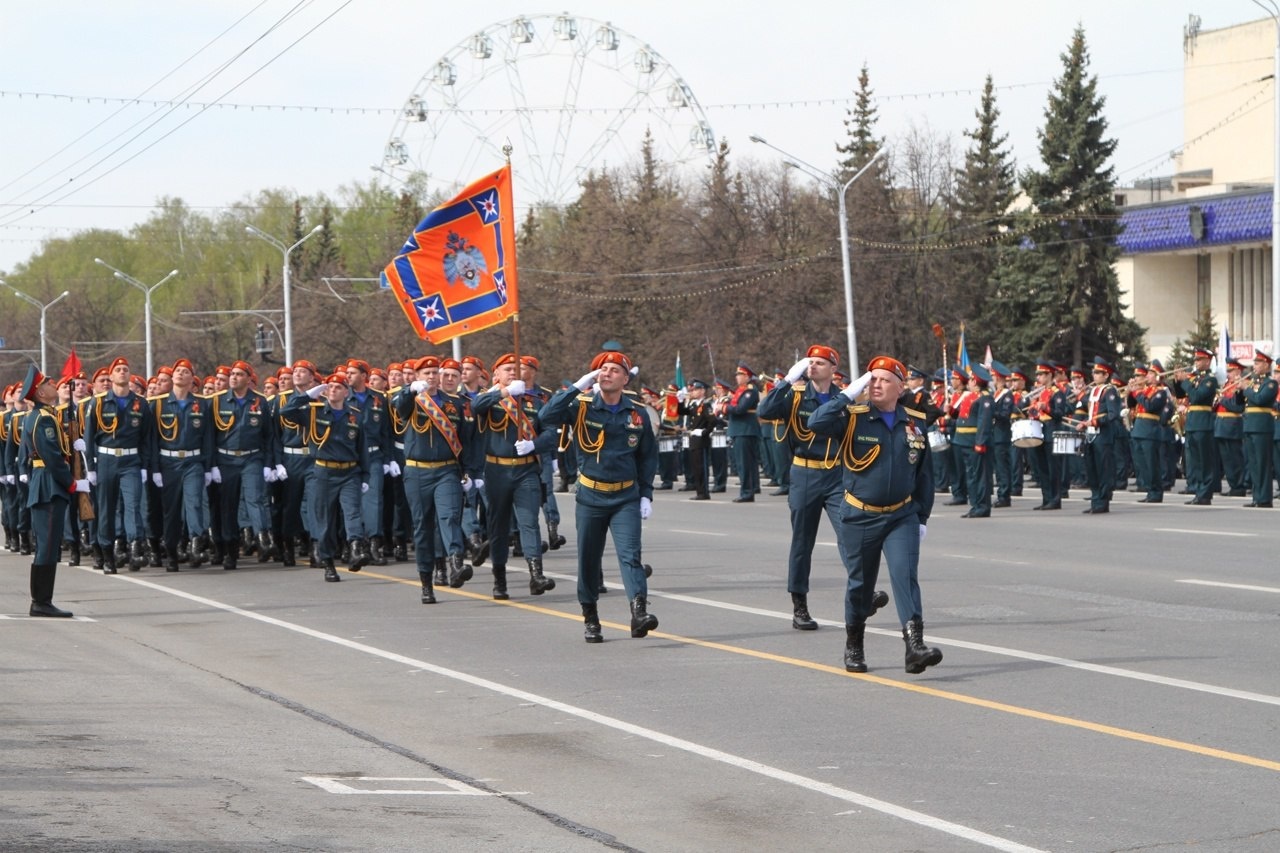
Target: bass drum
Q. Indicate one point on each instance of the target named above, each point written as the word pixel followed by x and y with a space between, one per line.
pixel 1028 433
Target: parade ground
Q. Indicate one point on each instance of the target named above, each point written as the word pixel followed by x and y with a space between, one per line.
pixel 1109 683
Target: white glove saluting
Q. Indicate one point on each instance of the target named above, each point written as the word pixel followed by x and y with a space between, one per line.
pixel 587 380
pixel 524 447
pixel 797 371
pixel 316 390
pixel 857 386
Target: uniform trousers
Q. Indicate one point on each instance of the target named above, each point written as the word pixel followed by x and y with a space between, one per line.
pixel 1260 463
pixel 371 501
pixel 183 500
pixel 241 477
pixel 1231 453
pixel 977 474
pixel 513 490
pixel 337 493
pixel 746 451
pixel 1147 466
pixel 866 537
pixel 1047 467
pixel 1100 470
pixel 598 515
pixel 1200 463
pixel 47 521
pixel 1002 460
pixel 549 507
pixel 435 500
pixel 814 492
pixel 297 503
pixel 119 490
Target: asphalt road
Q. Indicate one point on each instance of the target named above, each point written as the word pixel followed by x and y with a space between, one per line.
pixel 1109 683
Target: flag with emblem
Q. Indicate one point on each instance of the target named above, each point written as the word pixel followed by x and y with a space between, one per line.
pixel 456 274
pixel 962 354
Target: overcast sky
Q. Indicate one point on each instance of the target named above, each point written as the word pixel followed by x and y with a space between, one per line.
pixel 784 71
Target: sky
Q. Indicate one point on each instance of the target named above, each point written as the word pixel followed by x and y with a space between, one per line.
pixel 214 76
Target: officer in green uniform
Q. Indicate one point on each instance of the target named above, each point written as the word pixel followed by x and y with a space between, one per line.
pixel 340 448
pixel 888 482
pixel 1199 388
pixel 999 451
pixel 45 456
pixel 513 440
pixel 1100 423
pixel 1148 404
pixel 617 461
pixel 184 429
pixel 1259 398
pixel 1228 431
pixel 972 441
pixel 816 476
pixel 441 463
pixel 744 432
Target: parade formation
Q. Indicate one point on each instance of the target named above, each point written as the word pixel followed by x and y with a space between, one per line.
pixel 444 463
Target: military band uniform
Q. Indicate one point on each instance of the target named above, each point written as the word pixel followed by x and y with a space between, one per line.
pixel 972 440
pixel 1148 406
pixel 1199 390
pixel 744 432
pixel 1102 421
pixel 1000 451
pixel 700 422
pixel 1047 404
pixel 1259 398
pixel 1228 440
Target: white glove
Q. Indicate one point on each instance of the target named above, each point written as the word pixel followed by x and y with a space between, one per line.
pixel 386 470
pixel 595 388
pixel 216 474
pixel 646 508
pixel 158 480
pixel 282 473
pixel 635 371
pixel 394 469
pixel 682 395
pixel 797 371
pixel 208 478
pixel 417 386
pixel 587 380
pixel 364 488
pixel 857 386
pixel 82 486
pixel 699 433
pixel 923 531
pixel 92 477
pixel 144 476
pixel 467 484
pixel 78 444
pixel 23 478
pixel 516 388
pixel 477 483
pixel 316 390
pixel 269 474
pixel 524 447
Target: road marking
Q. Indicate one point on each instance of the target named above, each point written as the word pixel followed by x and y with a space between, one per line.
pixel 1245 586
pixel 696 532
pixel 902 813
pixel 1201 532
pixel 446 787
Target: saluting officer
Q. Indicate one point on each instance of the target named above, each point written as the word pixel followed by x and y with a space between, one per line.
pixel 340 448
pixel 888 484
pixel 816 474
pixel 1259 401
pixel 46 455
pixel 184 428
pixel 1198 389
pixel 617 461
pixel 441 463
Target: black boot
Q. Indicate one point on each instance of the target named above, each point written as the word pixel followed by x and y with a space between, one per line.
pixel 379 558
pixel 122 552
pixel 554 539
pixel 184 551
pixel 74 559
pixel 919 656
pixel 304 546
pixel 199 551
pixel 137 555
pixel 538 583
pixel 878 600
pixel 153 553
pixel 479 550
pixel 500 583
pixel 287 557
pixel 401 552
pixel 330 573
pixel 800 618
pixel 108 561
pixel 642 621
pixel 230 555
pixel 441 576
pixel 216 551
pixel 459 572
pixel 854 658
pixel 96 553
pixel 591 631
pixel 248 544
pixel 360 556
pixel 428 592
pixel 42 578
pixel 265 547
pixel 171 564
pixel 517 549
pixel 24 543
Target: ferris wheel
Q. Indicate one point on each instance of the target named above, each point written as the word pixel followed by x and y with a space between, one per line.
pixel 567 93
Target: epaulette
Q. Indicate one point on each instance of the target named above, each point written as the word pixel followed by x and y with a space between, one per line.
pixel 799 386
pixel 317 402
pixel 586 397
pixel 859 408
pixel 61 407
pixel 100 394
pixel 156 397
pixel 355 409
pixel 915 413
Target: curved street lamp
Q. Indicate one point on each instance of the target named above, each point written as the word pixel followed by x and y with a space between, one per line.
pixel 285 250
pixel 44 307
pixel 147 291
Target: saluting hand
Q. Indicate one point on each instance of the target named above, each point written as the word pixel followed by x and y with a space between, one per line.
pixel 587 380
pixel 797 371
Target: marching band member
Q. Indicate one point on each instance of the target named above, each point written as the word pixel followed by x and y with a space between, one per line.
pixel 1100 422
pixel 972 441
pixel 1198 390
pixel 1259 399
pixel 1228 431
pixel 744 432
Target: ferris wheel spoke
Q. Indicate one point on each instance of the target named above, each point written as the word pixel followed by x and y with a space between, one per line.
pixel 573 84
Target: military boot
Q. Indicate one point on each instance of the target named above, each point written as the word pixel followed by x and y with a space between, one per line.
pixel 642 621
pixel 265 546
pixel 153 553
pixel 74 559
pixel 538 583
pixel 516 548
pixel 248 544
pixel 199 551
pixel 108 560
pixel 441 575
pixel 854 658
pixel 428 591
pixel 42 579
pixel 330 573
pixel 591 631
pixel 24 543
pixel 379 557
pixel 878 600
pixel 479 550
pixel 230 555
pixel 500 583
pixel 137 555
pixel 171 563
pixel 800 619
pixel 360 556
pixel 459 572
pixel 554 539
pixel 96 553
pixel 401 552
pixel 287 556
pixel 919 656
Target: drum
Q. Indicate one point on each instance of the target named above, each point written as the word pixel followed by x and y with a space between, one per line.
pixel 667 444
pixel 938 442
pixel 1028 433
pixel 688 439
pixel 719 439
pixel 1067 443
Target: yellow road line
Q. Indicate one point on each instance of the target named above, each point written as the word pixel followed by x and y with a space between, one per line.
pixel 1017 710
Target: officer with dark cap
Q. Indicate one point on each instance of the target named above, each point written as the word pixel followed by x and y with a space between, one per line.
pixel 700 422
pixel 955 459
pixel 1147 401
pixel 1259 398
pixel 917 396
pixel 1198 389
pixel 1047 403
pixel 1099 424
pixel 1228 430
pixel 744 432
pixel 46 456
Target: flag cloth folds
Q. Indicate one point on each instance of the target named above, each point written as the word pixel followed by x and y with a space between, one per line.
pixel 457 272
pixel 1224 353
pixel 679 380
pixel 72 365
pixel 962 354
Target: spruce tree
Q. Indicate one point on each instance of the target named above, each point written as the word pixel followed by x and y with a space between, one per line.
pixel 1077 308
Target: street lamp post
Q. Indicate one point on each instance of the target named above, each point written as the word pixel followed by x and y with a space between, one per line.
pixel 147 291
pixel 831 182
pixel 44 308
pixel 1272 8
pixel 285 251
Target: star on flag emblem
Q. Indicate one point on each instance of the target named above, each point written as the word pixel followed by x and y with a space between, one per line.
pixel 431 313
pixel 489 207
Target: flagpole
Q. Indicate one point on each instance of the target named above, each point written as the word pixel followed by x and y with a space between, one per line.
pixel 515 318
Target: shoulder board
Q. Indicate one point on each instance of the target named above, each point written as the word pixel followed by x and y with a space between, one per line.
pixel 259 393
pixel 586 397
pixel 62 407
pixel 100 394
pixel 915 413
pixel 860 409
pixel 157 397
pixel 217 394
pixel 355 409
pixel 317 403
pixel 799 386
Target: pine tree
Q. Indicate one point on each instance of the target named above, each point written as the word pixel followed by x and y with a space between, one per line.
pixel 1077 309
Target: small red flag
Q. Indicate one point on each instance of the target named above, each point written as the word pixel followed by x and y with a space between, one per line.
pixel 72 365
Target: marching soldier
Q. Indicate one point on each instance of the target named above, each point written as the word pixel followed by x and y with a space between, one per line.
pixel 1100 422
pixel 298 522
pixel 744 432
pixel 247 459
pixel 376 420
pixel 888 484
pixel 618 458
pixel 535 397
pixel 1260 398
pixel 1198 390
pixel 184 429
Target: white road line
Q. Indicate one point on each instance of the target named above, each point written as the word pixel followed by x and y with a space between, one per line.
pixel 695 532
pixel 1117 672
pixel 1245 586
pixel 927 821
pixel 1200 532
